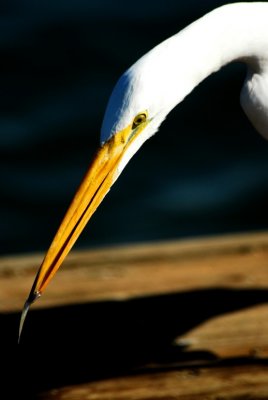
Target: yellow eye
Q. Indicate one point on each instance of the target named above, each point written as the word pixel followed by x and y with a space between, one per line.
pixel 139 119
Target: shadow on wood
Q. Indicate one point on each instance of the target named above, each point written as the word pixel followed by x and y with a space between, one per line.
pixel 81 343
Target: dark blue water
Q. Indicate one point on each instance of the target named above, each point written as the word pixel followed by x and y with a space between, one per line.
pixel 205 172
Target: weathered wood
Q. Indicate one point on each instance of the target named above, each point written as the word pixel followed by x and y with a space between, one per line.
pixel 181 320
pixel 236 334
pixel 223 383
pixel 236 261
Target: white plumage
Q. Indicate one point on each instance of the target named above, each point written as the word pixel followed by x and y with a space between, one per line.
pixel 165 75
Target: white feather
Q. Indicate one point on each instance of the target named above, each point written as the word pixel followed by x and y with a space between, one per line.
pixel 165 75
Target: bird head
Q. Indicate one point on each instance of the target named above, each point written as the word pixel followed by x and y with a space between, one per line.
pixel 136 108
pixel 131 117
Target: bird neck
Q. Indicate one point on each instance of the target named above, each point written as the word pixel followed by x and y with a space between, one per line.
pixel 235 32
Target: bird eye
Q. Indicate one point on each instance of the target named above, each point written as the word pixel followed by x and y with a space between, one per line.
pixel 139 119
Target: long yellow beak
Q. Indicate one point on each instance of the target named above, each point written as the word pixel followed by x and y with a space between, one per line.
pixel 101 174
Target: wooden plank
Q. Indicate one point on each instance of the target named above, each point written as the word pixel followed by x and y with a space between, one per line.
pixel 236 261
pixel 181 320
pixel 217 384
pixel 240 333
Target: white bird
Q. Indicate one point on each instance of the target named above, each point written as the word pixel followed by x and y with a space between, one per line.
pixel 148 91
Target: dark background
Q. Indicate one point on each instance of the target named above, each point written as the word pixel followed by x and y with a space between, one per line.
pixel 204 173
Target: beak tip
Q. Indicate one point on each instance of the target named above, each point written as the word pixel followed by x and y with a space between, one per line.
pixel 32 297
pixel 22 318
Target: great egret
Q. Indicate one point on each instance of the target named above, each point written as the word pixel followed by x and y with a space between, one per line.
pixel 148 91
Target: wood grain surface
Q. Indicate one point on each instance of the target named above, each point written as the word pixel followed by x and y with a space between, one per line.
pixel 171 320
